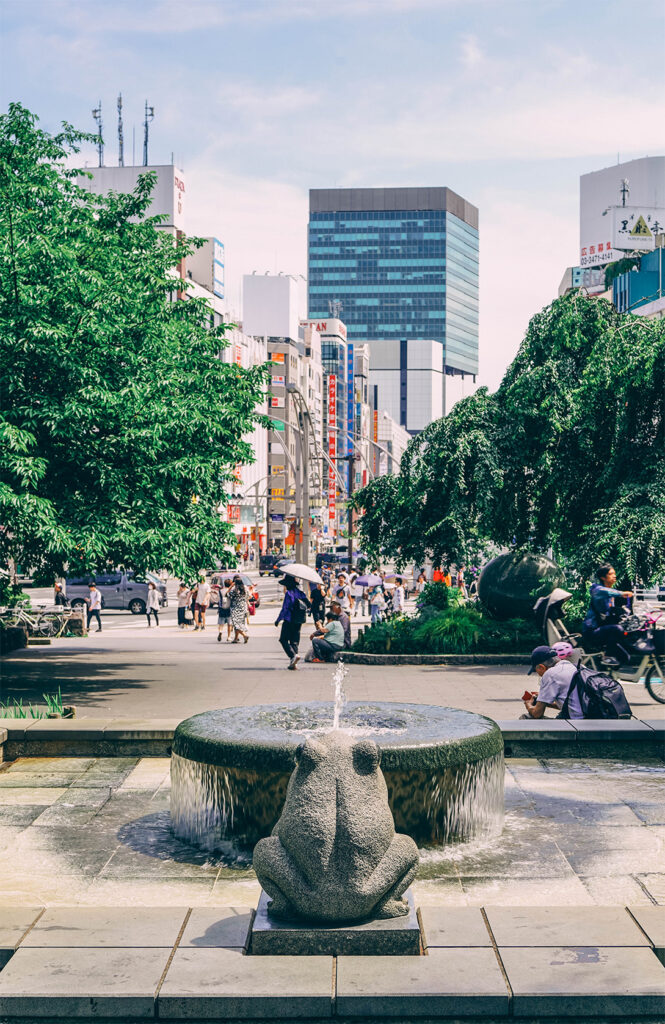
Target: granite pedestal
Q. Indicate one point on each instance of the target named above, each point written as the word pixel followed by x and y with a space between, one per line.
pixel 396 936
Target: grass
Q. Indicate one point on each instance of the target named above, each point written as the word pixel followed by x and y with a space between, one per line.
pixel 17 709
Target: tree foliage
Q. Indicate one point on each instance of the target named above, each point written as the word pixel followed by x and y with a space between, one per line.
pixel 569 453
pixel 120 426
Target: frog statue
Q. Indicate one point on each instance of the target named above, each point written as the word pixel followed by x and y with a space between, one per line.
pixel 334 855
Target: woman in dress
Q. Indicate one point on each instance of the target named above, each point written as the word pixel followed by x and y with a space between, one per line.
pixel 239 612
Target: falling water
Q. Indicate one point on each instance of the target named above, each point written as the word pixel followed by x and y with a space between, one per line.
pixel 338 686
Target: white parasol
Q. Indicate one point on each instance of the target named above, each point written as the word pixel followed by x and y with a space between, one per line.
pixel 302 572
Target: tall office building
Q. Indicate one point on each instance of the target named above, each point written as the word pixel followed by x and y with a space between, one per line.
pixel 398 264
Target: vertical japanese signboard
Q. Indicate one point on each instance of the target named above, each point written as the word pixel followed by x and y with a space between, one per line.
pixel 349 399
pixel 332 442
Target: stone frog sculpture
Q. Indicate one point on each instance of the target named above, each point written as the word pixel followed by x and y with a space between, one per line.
pixel 334 854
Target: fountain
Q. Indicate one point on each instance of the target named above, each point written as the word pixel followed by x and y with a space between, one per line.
pixel 230 768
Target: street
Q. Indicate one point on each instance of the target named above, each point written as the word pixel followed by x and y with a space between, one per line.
pixel 130 671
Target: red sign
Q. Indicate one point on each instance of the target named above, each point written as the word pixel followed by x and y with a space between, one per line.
pixel 332 443
pixel 233 513
pixel 376 425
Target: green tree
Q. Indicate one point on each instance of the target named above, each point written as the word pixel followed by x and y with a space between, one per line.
pixel 120 426
pixel 569 453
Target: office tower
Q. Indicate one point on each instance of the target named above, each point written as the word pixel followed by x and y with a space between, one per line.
pixel 398 264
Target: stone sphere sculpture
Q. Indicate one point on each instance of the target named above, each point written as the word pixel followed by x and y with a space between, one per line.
pixel 334 855
pixel 510 584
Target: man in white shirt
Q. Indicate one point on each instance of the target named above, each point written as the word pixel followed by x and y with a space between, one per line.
pixel 94 602
pixel 202 602
pixel 341 592
pixel 556 675
pixel 398 597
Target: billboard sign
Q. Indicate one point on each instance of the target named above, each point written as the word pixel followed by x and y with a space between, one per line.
pixel 636 227
pixel 632 185
pixel 349 399
pixel 332 443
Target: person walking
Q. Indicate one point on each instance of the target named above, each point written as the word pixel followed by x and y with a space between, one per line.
pixel 152 605
pixel 239 613
pixel 224 611
pixel 94 602
pixel 183 597
pixel 360 598
pixel 318 602
pixel 202 602
pixel 292 616
pixel 422 583
pixel 377 603
pixel 398 597
pixel 193 591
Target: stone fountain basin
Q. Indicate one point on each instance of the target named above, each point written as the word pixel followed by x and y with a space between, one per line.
pixel 230 768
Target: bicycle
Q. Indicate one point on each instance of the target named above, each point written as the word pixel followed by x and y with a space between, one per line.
pixel 37 623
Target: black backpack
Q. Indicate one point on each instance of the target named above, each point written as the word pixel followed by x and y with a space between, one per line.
pixel 299 614
pixel 600 696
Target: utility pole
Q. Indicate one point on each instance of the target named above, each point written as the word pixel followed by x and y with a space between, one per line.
pixel 121 138
pixel 97 114
pixel 149 115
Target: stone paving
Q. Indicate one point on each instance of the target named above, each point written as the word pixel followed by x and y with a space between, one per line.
pixel 96 831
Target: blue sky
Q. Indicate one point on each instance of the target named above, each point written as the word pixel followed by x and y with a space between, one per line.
pixel 505 101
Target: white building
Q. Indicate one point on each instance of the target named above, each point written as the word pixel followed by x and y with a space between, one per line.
pixel 622 208
pixel 393 440
pixel 408 381
pixel 168 196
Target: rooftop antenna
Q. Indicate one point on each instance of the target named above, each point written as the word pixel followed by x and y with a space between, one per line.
pixel 624 190
pixel 121 138
pixel 335 307
pixel 97 114
pixel 149 115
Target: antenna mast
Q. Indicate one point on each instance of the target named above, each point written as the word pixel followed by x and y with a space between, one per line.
pixel 149 115
pixel 97 114
pixel 121 138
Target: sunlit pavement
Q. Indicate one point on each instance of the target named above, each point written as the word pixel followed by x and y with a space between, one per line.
pixel 131 671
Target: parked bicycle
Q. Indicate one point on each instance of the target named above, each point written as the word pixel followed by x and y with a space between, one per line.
pixel 39 623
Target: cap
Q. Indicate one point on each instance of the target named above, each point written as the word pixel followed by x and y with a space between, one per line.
pixel 539 655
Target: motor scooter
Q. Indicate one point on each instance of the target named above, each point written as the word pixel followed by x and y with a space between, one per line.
pixel 645 643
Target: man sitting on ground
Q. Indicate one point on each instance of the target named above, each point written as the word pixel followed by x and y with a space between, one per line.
pixel 329 640
pixel 556 675
pixel 344 621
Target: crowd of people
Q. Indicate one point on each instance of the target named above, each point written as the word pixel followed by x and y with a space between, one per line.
pixel 235 604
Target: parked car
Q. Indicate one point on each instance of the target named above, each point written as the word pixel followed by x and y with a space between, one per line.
pixel 118 590
pixel 217 579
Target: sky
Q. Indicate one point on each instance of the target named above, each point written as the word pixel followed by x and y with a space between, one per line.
pixel 506 102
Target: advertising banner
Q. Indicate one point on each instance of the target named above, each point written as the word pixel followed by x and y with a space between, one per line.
pixel 349 401
pixel 332 442
pixel 277 402
pixel 636 227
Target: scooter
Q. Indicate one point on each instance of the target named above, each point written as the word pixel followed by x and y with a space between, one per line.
pixel 647 666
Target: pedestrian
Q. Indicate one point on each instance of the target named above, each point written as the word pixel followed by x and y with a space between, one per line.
pixel 201 605
pixel 238 596
pixel 360 597
pixel 193 591
pixel 422 583
pixel 152 605
pixel 377 603
pixel 459 580
pixel 344 621
pixel 318 602
pixel 59 598
pixel 398 597
pixel 184 595
pixel 94 602
pixel 292 616
pixel 224 611
pixel 342 592
pixel 328 640
pixel 447 578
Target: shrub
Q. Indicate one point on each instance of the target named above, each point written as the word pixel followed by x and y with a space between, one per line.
pixel 434 595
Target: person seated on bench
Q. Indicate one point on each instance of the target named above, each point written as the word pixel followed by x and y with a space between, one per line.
pixel 600 629
pixel 556 675
pixel 329 640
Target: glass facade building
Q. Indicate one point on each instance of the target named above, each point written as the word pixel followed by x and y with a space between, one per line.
pixel 397 263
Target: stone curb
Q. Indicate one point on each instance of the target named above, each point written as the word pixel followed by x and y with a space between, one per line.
pixel 183 963
pixel 361 658
pixel 125 737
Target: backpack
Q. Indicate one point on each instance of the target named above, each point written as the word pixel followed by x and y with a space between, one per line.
pixel 600 696
pixel 299 613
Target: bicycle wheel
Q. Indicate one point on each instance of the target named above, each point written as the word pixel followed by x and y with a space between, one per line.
pixel 655 684
pixel 46 626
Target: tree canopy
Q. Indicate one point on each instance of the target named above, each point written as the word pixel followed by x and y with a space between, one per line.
pixel 120 426
pixel 569 453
